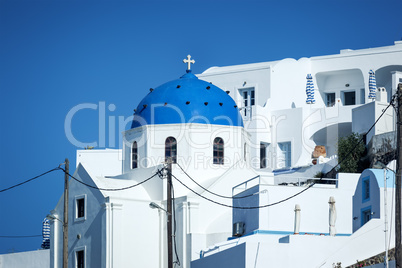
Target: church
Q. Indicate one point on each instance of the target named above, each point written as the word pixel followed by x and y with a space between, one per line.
pixel 246 143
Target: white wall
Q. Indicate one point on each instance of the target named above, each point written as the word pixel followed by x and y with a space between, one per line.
pixel 364 117
pixel 106 162
pixel 194 146
pixel 31 259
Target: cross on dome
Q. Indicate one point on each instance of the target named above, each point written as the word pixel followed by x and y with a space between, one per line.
pixel 188 61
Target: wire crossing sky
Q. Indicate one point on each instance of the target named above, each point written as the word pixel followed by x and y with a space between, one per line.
pixel 56 56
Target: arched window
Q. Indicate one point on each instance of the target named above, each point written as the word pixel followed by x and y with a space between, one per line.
pixel 171 149
pixel 218 151
pixel 134 155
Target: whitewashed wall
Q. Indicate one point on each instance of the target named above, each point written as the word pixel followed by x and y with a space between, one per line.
pixel 31 259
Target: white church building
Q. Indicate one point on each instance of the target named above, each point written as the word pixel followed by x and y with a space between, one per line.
pixel 241 139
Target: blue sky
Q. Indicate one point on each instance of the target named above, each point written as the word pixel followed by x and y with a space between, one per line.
pixel 55 55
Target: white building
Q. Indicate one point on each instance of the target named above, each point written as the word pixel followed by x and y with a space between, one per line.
pixel 246 132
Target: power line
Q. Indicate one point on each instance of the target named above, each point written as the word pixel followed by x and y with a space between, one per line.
pixel 108 189
pixel 34 178
pixel 88 185
pixel 255 207
pixel 292 196
pixel 361 139
pixel 19 236
pixel 205 189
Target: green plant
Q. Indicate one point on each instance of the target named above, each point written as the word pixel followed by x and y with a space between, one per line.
pixel 350 152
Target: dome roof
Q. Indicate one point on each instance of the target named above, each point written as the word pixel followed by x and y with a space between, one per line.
pixel 187 100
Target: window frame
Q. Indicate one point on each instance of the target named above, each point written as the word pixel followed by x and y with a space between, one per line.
pixel 171 147
pixel 76 208
pixel 218 151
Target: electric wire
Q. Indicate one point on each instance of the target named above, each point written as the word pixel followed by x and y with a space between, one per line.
pixel 205 189
pixel 34 178
pixel 71 176
pixel 255 207
pixel 290 197
pixel 361 139
pixel 298 193
pixel 109 189
pixel 208 199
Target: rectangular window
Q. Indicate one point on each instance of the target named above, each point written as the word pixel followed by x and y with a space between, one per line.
pixel 263 155
pixel 80 259
pixel 284 154
pixel 218 151
pixel 330 99
pixel 366 189
pixel 349 98
pixel 80 207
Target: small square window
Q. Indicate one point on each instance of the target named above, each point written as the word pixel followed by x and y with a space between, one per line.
pixel 349 98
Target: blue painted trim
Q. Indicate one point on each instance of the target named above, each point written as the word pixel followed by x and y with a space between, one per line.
pixel 361 214
pixel 267 232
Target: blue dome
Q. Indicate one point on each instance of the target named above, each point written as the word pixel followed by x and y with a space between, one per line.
pixel 187 100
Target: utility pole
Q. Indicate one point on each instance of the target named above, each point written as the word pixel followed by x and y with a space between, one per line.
pixel 398 259
pixel 65 217
pixel 169 212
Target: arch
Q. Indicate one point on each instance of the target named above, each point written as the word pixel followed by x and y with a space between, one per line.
pixel 134 155
pixel 171 149
pixel 218 151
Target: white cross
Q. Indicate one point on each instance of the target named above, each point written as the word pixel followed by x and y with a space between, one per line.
pixel 188 61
